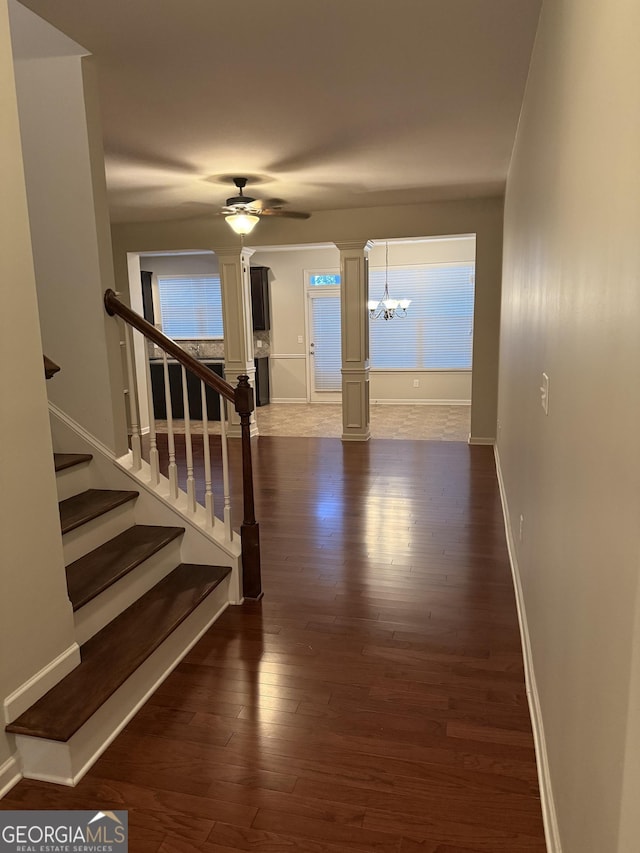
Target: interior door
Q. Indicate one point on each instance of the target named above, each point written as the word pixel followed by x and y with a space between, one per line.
pixel 325 347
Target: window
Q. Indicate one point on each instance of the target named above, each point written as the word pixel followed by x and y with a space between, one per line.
pixel 191 306
pixel 324 280
pixel 437 333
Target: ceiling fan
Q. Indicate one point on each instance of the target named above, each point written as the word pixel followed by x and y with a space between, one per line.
pixel 242 212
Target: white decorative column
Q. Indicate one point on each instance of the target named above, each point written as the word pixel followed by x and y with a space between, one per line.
pixel 354 289
pixel 237 318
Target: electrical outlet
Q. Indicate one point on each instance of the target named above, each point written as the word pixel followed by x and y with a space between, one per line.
pixel 521 530
pixel 300 339
pixel 416 383
pixel 544 393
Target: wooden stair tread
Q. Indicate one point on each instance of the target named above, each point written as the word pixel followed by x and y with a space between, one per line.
pixel 114 653
pixel 68 460
pixel 90 575
pixel 91 504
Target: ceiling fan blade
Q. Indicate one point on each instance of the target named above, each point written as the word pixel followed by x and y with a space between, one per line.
pixel 274 203
pixel 257 207
pixel 291 214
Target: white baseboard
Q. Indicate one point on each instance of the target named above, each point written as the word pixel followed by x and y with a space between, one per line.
pixel 10 775
pixel 40 683
pixel 383 402
pixel 473 439
pixel 549 816
pixel 410 402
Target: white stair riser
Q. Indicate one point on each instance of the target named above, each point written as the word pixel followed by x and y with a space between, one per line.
pixel 85 538
pixel 105 607
pixel 72 481
pixel 66 763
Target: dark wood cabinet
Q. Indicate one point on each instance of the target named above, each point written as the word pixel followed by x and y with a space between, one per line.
pixel 262 382
pixel 147 296
pixel 194 395
pixel 260 298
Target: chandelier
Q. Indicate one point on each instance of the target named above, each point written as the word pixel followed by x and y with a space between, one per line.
pixel 387 308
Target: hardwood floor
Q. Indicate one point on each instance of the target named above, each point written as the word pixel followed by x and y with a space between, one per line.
pixel 373 701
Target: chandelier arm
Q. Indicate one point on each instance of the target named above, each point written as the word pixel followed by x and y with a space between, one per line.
pixel 388 308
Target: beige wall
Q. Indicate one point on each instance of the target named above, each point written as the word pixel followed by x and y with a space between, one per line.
pixel 571 308
pixel 36 622
pixel 436 387
pixel 482 217
pixel 206 264
pixel 64 169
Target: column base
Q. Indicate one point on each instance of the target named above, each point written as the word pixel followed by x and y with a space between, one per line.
pixel 355 405
pixel 355 436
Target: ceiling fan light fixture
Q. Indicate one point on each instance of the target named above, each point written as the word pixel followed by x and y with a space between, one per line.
pixel 242 223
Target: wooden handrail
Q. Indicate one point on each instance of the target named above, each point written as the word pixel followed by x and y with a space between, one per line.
pixel 115 306
pixel 50 367
pixel 242 398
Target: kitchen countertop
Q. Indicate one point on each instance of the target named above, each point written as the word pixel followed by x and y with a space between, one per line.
pixel 204 359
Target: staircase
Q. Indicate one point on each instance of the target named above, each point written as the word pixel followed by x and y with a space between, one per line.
pixel 137 608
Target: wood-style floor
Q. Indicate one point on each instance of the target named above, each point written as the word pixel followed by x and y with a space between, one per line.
pixel 373 701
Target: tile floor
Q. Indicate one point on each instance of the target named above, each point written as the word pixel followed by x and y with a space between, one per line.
pixel 437 423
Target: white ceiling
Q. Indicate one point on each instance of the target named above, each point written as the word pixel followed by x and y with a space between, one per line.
pixel 325 104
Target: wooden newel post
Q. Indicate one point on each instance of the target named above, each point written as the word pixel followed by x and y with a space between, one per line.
pixel 250 529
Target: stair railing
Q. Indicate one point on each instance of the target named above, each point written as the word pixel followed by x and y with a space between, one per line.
pixel 242 399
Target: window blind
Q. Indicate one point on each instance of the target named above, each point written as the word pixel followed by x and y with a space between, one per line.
pixel 327 360
pixel 191 306
pixel 437 332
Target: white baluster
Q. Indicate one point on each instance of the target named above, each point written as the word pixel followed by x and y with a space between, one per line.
pixel 191 483
pixel 208 494
pixel 154 456
pixel 173 469
pixel 136 447
pixel 225 470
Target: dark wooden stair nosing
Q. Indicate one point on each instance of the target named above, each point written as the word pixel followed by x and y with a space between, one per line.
pixel 95 572
pixel 116 652
pixel 90 504
pixel 62 461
